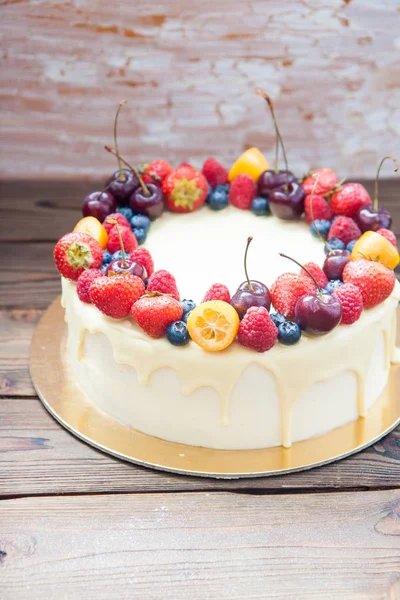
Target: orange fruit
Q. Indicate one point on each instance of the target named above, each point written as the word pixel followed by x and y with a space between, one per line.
pixel 252 162
pixel 375 247
pixel 213 325
pixel 94 228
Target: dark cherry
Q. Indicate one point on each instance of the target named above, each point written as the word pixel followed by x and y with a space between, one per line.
pixel 318 315
pixel 151 205
pixel 244 298
pixel 99 205
pixel 334 264
pixel 117 267
pixel 122 186
pixel 270 180
pixel 287 202
pixel 369 219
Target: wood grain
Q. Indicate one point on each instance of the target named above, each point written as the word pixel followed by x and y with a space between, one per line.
pixel 189 75
pixel 343 546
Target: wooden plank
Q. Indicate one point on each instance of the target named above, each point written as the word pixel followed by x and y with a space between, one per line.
pixel 312 546
pixel 40 457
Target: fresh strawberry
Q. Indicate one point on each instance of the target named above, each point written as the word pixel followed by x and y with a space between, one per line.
pixel 158 170
pixel 256 330
pixel 287 289
pixel 218 291
pixel 375 281
pixel 320 209
pixel 349 199
pixel 84 282
pixel 76 252
pixel 186 164
pixel 389 235
pixel 128 239
pixel 316 272
pixel 214 172
pixel 185 189
pixel 144 258
pixel 344 229
pixel 351 300
pixel 164 283
pixel 242 192
pixel 154 313
pixel 121 220
pixel 114 296
pixel 326 182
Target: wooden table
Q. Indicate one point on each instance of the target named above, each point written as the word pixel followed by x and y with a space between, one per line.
pixel 76 523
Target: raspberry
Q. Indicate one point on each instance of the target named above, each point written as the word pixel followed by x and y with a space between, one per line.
pixel 375 281
pixel 256 330
pixel 286 291
pixel 85 281
pixel 114 296
pixel 154 314
pixel 326 182
pixel 163 282
pixel 320 209
pixel 218 291
pixel 128 239
pixel 144 258
pixel 351 300
pixel 76 252
pixel 349 199
pixel 389 235
pixel 344 229
pixel 158 170
pixel 121 220
pixel 214 172
pixel 242 192
pixel 316 272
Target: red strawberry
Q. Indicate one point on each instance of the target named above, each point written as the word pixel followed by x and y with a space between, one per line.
pixel 164 283
pixel 344 229
pixel 185 189
pixel 128 239
pixel 389 235
pixel 218 291
pixel 287 290
pixel 84 282
pixel 144 258
pixel 316 272
pixel 214 172
pixel 121 220
pixel 76 252
pixel 114 296
pixel 326 182
pixel 320 209
pixel 242 192
pixel 351 300
pixel 349 199
pixel 375 281
pixel 158 170
pixel 154 313
pixel 256 330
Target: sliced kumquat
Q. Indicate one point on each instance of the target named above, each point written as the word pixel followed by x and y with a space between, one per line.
pixel 94 228
pixel 213 325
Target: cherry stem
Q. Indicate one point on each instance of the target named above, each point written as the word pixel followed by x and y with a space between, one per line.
pixel 249 240
pixel 121 243
pixel 144 187
pixel 325 242
pixel 121 174
pixel 377 177
pixel 278 136
pixel 304 269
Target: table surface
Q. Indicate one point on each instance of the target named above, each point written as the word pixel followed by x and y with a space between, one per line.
pixel 75 522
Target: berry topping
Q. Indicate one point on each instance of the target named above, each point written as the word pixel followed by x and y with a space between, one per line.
pixel 252 162
pixel 84 283
pixel 218 291
pixel 187 306
pixel 185 189
pixel 143 257
pixel 128 239
pixel 177 333
pixel 242 192
pixel 153 313
pixel 334 264
pixel 108 257
pixel 277 318
pixel 333 285
pixel 320 228
pixel 114 296
pixel 286 291
pixel 126 212
pixel 158 170
pixel 327 180
pixel 218 198
pixel 316 272
pixel 76 252
pixel 351 245
pixel 164 283
pixel 140 222
pixel 213 325
pixel 351 300
pixel 214 172
pixel 289 333
pixel 140 235
pixel 319 209
pixel 389 235
pixel 371 218
pixel 376 247
pixel 99 205
pixel 257 331
pixel 260 206
pixel 375 281
pixel 334 244
pixel 349 199
pixel 109 223
pixel 344 229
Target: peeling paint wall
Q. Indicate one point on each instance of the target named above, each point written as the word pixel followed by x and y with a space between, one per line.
pixel 188 71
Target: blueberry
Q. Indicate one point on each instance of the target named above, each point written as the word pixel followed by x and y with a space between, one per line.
pixel 177 333
pixel 218 198
pixel 322 225
pixel 140 222
pixel 277 318
pixel 188 306
pixel 224 186
pixel 333 285
pixel 335 244
pixel 140 234
pixel 107 257
pixel 103 269
pixel 118 255
pixel 289 333
pixel 351 245
pixel 260 206
pixel 126 212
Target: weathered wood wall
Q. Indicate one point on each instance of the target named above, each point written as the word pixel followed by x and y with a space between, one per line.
pixel 189 70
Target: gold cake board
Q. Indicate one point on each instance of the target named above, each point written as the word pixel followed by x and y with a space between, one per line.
pixel 70 407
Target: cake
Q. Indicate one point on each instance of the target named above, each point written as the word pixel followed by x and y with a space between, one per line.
pixel 278 379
